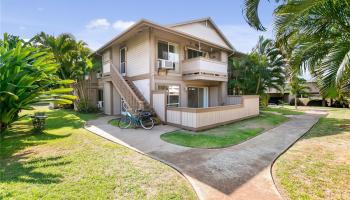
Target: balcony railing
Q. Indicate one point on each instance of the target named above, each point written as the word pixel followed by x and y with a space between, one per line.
pixel 203 68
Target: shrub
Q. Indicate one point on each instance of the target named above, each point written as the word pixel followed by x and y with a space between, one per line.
pixel 315 102
pixel 299 103
pixel 85 106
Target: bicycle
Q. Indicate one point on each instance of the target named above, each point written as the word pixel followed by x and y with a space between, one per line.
pixel 143 119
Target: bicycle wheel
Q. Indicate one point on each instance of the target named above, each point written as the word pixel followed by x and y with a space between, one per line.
pixel 124 122
pixel 147 123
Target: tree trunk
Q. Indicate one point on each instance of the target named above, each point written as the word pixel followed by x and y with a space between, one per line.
pixel 296 102
pixel 258 86
pixel 323 102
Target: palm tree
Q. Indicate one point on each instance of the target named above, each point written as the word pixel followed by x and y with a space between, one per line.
pixel 318 35
pixel 72 55
pixel 251 14
pixel 258 71
pixel 73 58
pixel 28 75
pixel 275 65
pixel 298 87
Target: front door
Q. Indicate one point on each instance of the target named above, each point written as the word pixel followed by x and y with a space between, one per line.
pixel 197 97
pixel 123 61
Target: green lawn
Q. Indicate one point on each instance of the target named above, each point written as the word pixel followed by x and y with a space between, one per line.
pixel 227 135
pixel 68 162
pixel 318 166
pixel 286 110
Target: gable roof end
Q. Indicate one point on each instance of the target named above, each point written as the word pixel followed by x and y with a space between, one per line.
pixel 208 19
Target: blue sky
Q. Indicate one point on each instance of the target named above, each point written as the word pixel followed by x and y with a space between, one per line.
pixel 96 22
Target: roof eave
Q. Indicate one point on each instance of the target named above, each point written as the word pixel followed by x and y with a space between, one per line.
pixel 155 25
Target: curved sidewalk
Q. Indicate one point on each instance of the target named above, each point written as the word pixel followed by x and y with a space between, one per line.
pixel 238 172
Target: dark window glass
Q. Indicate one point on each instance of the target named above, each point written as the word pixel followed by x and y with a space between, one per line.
pixel 100 95
pixel 122 55
pixel 193 53
pixel 162 50
pixel 171 48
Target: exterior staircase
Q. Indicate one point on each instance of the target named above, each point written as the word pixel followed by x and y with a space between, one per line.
pixel 146 105
pixel 123 88
pixel 127 89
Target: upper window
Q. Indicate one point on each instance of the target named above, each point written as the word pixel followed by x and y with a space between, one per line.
pixel 191 53
pixel 168 51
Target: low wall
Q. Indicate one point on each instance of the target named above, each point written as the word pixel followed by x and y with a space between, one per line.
pixel 233 100
pixel 197 119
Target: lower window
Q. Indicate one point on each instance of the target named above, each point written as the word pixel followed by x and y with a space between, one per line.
pixel 173 94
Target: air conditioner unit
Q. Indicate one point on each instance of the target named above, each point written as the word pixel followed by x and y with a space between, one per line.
pixel 165 64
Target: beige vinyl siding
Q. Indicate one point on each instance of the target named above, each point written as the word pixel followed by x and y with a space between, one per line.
pixel 107 97
pixel 202 118
pixel 115 57
pixel 200 30
pixel 213 96
pixel 116 99
pixel 159 104
pixel 138 55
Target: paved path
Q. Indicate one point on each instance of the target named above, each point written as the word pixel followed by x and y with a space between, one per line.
pixel 238 172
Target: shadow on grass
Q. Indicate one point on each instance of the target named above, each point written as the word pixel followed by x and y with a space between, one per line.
pixel 328 126
pixel 21 134
pixel 19 164
pixel 17 169
pixel 19 140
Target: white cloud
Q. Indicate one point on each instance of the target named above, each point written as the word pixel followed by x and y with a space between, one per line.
pixel 101 23
pixel 243 37
pixel 122 25
pixel 99 31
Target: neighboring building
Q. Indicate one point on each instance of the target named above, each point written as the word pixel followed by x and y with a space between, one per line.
pixel 277 96
pixel 179 71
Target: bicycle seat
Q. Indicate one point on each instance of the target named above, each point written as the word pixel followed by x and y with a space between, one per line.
pixel 146 114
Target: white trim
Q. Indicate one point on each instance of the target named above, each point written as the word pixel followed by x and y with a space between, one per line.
pixel 205 95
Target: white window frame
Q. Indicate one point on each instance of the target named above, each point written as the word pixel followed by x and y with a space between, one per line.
pixel 120 61
pixel 205 94
pixel 167 93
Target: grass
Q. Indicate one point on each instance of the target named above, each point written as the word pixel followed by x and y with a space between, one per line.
pixel 318 165
pixel 227 135
pixel 286 110
pixel 115 122
pixel 68 162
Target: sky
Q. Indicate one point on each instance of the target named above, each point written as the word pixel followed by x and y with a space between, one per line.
pixel 97 22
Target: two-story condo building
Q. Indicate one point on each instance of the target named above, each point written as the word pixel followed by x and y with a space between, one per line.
pixel 179 71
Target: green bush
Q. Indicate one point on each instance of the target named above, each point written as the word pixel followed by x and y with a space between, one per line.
pixel 85 106
pixel 264 100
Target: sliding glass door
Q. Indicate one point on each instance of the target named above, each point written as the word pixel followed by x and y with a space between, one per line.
pixel 197 97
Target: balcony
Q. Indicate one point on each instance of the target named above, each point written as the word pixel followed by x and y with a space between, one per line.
pixel 201 68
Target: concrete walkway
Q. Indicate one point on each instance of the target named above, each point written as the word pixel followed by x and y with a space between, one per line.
pixel 238 172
